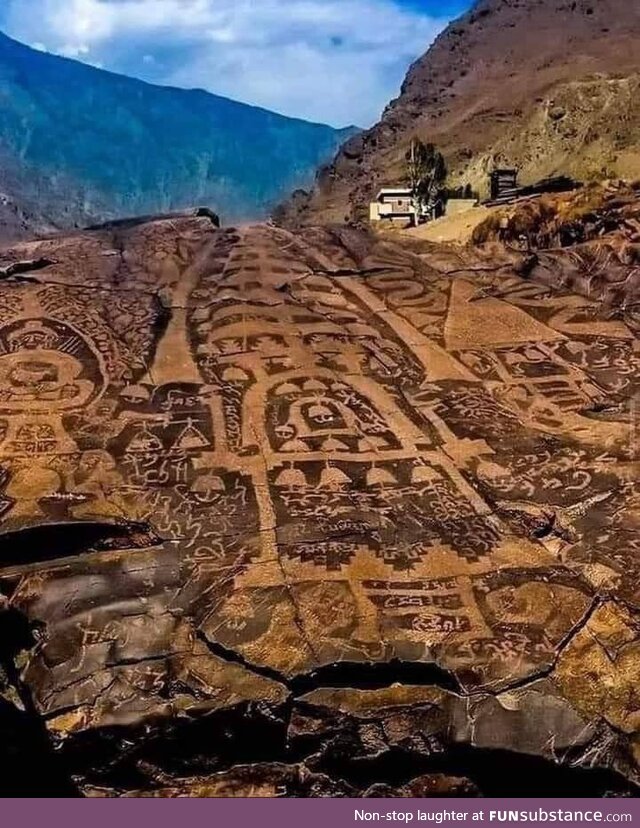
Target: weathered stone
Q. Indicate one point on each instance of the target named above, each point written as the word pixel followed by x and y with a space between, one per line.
pixel 307 514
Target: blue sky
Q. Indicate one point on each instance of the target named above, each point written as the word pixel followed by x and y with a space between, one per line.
pixel 336 61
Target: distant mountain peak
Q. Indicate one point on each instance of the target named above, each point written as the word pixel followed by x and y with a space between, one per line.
pixel 79 144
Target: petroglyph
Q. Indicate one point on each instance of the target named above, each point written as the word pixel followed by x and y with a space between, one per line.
pixel 341 456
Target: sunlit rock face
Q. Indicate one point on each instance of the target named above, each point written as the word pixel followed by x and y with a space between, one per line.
pixel 307 514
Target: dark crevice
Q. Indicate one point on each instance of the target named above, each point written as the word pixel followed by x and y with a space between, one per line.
pixel 144 758
pixel 374 676
pixel 31 767
pixel 233 657
pixel 202 744
pixel 28 266
pixel 350 271
pixel 365 675
pixel 50 542
pixel 496 773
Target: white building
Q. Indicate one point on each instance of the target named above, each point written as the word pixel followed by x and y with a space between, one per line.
pixel 392 204
pixel 395 204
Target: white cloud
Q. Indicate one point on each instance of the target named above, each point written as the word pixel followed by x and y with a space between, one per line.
pixel 74 50
pixel 338 61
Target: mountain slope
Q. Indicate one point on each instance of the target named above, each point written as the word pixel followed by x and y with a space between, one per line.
pixel 77 143
pixel 18 223
pixel 548 85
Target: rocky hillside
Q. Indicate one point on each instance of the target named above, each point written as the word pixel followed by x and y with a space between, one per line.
pixel 78 143
pixel 15 222
pixel 31 203
pixel 551 86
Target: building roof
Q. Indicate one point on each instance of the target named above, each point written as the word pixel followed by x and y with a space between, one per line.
pixel 402 191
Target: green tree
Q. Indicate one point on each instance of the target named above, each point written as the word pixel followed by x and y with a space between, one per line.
pixel 426 174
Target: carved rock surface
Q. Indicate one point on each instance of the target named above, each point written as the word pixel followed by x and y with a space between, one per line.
pixel 306 514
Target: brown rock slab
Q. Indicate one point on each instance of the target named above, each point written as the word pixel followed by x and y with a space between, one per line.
pixel 269 507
